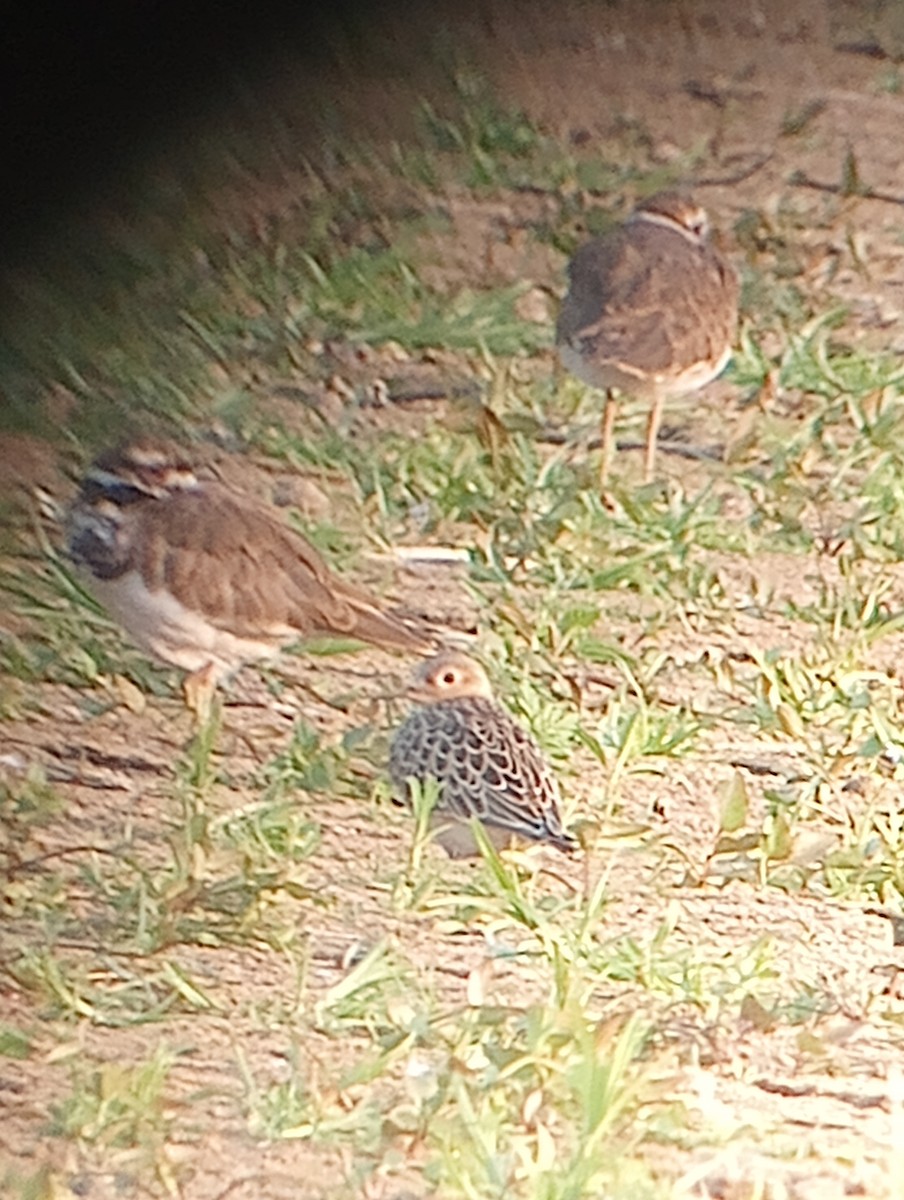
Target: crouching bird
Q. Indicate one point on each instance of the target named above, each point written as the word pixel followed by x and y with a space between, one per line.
pixel 488 766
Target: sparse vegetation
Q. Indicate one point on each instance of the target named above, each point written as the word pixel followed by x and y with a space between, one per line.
pixel 235 931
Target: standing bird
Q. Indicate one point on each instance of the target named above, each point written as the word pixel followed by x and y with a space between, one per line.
pixel 204 578
pixel 486 764
pixel 651 309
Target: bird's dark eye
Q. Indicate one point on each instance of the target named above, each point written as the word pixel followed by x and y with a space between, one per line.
pixel 449 677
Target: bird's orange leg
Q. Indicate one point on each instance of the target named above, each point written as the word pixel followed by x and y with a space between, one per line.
pixel 653 423
pixel 607 426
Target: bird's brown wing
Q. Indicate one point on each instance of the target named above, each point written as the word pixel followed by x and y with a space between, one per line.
pixel 248 572
pixel 648 300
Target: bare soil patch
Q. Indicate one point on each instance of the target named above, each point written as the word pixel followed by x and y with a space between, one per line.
pixel 805 1108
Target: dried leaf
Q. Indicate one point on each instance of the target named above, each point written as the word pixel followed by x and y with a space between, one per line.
pixel 779 840
pixel 546 1149
pixel 753 1013
pixel 735 803
pixel 531 1106
pixel 851 183
pixel 130 694
pixel 790 721
pixel 476 987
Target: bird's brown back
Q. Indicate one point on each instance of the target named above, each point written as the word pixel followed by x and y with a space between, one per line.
pixel 246 571
pixel 649 298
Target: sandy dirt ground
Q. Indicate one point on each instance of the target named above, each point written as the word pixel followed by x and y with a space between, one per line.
pixel 822 1103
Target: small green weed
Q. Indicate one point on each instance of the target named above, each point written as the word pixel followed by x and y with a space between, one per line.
pixel 117 1106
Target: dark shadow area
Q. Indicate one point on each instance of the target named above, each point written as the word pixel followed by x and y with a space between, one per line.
pixel 89 92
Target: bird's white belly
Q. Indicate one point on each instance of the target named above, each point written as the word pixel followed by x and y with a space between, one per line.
pixel 695 377
pixel 176 635
pixel 607 374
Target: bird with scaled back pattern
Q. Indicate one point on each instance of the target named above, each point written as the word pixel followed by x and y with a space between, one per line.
pixel 487 765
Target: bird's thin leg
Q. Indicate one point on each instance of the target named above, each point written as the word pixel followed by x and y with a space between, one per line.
pixel 649 460
pixel 607 425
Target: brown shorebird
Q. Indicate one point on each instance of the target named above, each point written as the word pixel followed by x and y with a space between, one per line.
pixel 205 578
pixel 488 767
pixel 651 309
